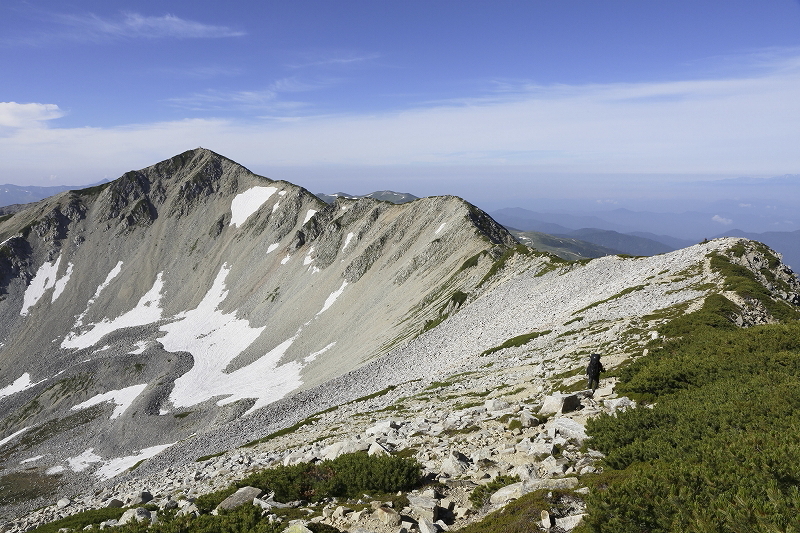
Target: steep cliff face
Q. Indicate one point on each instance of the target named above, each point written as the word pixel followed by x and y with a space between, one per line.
pixel 194 292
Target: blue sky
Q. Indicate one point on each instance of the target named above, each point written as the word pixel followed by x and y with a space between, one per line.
pixel 493 101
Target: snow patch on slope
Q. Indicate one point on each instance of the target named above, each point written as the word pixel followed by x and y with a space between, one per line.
pixel 215 339
pixel 314 355
pixel 45 278
pixel 347 240
pixel 440 228
pixel 272 247
pixel 147 311
pixel 111 275
pixel 23 382
pixel 62 282
pixel 82 461
pixel 115 466
pixel 10 437
pixel 332 298
pixel 309 214
pixel 123 398
pixel 248 202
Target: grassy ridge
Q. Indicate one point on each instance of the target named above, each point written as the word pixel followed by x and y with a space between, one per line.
pixel 717 452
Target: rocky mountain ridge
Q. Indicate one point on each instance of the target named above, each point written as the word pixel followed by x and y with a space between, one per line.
pixel 508 412
pixel 193 293
pixel 425 313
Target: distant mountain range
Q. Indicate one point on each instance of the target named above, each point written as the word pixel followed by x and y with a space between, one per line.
pixel 384 196
pixel 25 194
pixel 585 231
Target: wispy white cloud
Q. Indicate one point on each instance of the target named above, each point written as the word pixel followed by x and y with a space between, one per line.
pixel 332 60
pixel 722 220
pixel 90 27
pixel 263 100
pixel 724 126
pixel 14 115
pixel 203 72
pixel 134 25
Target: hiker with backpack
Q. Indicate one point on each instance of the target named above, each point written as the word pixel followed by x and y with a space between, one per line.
pixel 593 371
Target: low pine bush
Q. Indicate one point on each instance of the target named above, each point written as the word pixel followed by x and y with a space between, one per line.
pixel 717 451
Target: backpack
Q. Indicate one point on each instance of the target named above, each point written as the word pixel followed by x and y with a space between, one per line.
pixel 594 365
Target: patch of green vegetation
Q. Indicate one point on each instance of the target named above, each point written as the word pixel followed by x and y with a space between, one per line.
pixel 378 394
pixel 194 246
pixel 463 431
pixel 438 385
pixel 210 456
pixel 457 299
pixel 551 266
pixel 576 319
pixel 430 324
pixel 744 283
pixel 183 414
pixel 273 295
pixel 523 515
pixel 717 452
pixel 515 424
pixel 18 487
pixel 137 465
pixel 471 262
pixel 138 367
pixel 3 218
pixel 92 191
pixel 620 294
pixel 78 521
pixel 515 342
pixel 349 475
pixel 460 406
pixel 480 496
pixel 291 429
pixel 500 264
pixel 516 391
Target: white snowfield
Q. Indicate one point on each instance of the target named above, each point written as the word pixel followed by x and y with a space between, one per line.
pixel 113 467
pixel 110 467
pixel 20 384
pixel 245 204
pixel 109 278
pixel 215 339
pixel 45 278
pixel 440 228
pixel 123 398
pixel 61 283
pixel 272 247
pixel 82 461
pixel 347 240
pixel 147 311
pixel 309 214
pixel 332 298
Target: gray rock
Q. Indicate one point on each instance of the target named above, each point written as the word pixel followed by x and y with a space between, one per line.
pixel 619 404
pixel 560 403
pixel 569 429
pixel 508 493
pixel 527 419
pixel 427 526
pixel 388 517
pixel 297 527
pixel 496 405
pixel 424 506
pixel 568 523
pixel 518 490
pixel 140 497
pixel 240 497
pixel 139 514
pixel 63 502
pixel 455 464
